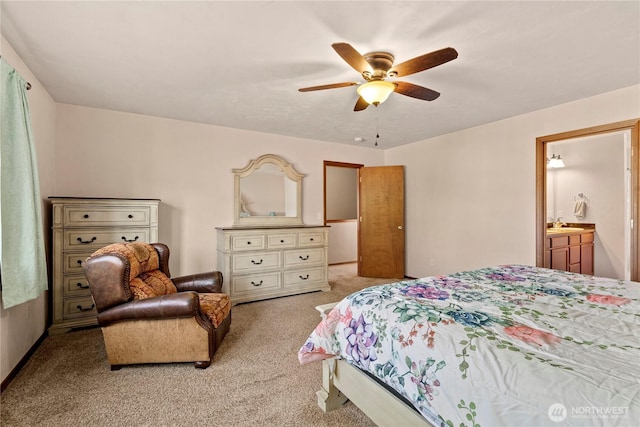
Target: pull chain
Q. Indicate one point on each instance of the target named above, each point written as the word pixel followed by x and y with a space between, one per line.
pixel 377 126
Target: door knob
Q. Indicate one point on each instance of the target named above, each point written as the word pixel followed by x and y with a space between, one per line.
pixel 399 227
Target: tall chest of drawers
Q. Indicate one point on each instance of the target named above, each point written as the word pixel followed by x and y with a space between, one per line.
pixel 80 226
pixel 266 262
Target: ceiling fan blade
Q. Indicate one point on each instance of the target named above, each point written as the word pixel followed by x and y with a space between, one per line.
pixel 330 86
pixel 352 57
pixel 415 91
pixel 361 104
pixel 424 62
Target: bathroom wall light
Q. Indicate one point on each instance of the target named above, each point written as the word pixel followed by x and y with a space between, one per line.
pixel 555 162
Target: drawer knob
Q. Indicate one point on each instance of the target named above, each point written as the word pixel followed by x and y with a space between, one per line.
pixel 81 308
pixel 311 239
pixel 281 241
pixel 86 242
pixel 249 242
pixel 79 262
pixel 129 216
pixel 85 216
pixel 304 258
pixel 304 278
pixel 256 284
pixel 81 286
pixel 256 263
pixel 131 240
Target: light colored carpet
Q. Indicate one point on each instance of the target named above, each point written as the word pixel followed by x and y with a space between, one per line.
pixel 254 380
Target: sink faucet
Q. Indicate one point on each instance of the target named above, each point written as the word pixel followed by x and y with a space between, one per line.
pixel 558 223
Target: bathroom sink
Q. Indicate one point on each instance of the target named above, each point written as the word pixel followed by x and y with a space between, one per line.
pixel 563 229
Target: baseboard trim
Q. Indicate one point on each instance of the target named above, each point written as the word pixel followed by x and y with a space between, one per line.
pixel 23 361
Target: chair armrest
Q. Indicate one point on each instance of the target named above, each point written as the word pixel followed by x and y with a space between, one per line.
pixel 171 306
pixel 210 282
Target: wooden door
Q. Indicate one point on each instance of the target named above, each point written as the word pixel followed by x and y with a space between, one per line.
pixel 381 222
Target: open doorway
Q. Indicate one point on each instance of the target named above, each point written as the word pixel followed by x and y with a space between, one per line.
pixel 627 133
pixel 364 207
pixel 595 177
pixel 341 210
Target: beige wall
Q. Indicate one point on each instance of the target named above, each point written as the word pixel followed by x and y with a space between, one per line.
pixel 102 153
pixel 22 325
pixel 470 195
pixel 342 192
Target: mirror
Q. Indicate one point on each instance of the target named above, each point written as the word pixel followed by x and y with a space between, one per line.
pixel 268 192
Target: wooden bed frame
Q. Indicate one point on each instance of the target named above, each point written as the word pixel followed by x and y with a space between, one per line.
pixel 342 382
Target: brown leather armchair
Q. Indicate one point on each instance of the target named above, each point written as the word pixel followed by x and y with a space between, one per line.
pixel 147 317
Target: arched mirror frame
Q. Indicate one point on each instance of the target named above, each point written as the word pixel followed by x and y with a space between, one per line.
pixel 541 184
pixel 288 172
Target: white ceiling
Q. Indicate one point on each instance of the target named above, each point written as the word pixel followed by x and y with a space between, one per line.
pixel 239 64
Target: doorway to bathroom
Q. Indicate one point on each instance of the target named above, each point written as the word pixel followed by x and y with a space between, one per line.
pixel 598 184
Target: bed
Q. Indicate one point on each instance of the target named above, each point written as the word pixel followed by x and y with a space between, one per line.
pixel 511 345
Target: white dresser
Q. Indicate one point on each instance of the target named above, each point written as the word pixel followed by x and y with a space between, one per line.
pixel 265 262
pixel 80 226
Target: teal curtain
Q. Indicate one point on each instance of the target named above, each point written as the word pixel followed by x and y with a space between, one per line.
pixel 23 264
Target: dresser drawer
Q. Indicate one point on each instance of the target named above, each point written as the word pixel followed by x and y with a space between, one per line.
pixel 303 257
pixel 311 239
pixel 248 242
pixel 278 241
pixel 91 216
pixel 72 263
pixel 255 283
pixel 75 286
pixel 247 263
pixel 97 238
pixel 305 276
pixel 79 307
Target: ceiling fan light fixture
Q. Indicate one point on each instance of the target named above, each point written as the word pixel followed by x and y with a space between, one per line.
pixel 376 91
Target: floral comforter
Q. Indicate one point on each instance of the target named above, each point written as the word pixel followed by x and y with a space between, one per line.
pixel 512 345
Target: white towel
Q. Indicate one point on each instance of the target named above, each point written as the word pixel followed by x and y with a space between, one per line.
pixel 579 209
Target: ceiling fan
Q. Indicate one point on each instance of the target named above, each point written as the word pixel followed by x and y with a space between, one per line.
pixel 375 67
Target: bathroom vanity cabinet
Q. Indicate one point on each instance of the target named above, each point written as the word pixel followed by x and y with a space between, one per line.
pixel 570 251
